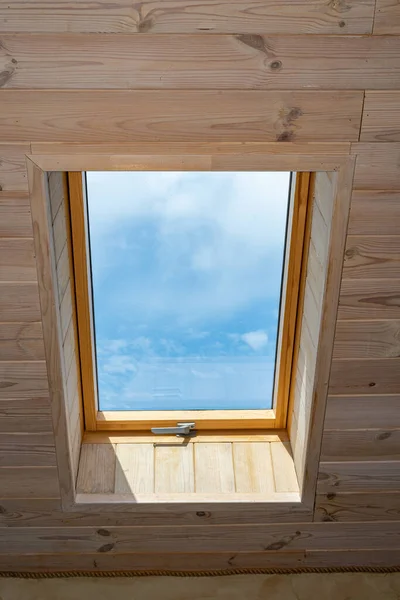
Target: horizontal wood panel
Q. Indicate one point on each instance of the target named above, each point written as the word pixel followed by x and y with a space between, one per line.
pixel 369 376
pixel 23 379
pixel 358 507
pixel 374 213
pixel 102 116
pixel 29 482
pixel 13 176
pixel 15 215
pixel 17 260
pixel 29 415
pixel 190 16
pixel 21 341
pixel 172 562
pixel 377 167
pixel 372 257
pixel 369 299
pixel 351 412
pixel 244 61
pixel 358 476
pixel 367 339
pixel 387 17
pixel 27 450
pixel 358 444
pixel 250 538
pixel 381 117
pixel 19 302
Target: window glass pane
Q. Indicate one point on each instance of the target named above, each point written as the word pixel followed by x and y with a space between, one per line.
pixel 186 271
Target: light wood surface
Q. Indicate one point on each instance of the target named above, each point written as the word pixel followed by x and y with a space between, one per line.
pixel 240 61
pixel 360 444
pixel 21 341
pixel 374 213
pixel 367 339
pixel 358 507
pixel 356 476
pixel 179 115
pixel 378 166
pixel 15 215
pixel 13 176
pixel 387 17
pixel 134 469
pixel 369 299
pixel 381 117
pixel 366 412
pixel 207 16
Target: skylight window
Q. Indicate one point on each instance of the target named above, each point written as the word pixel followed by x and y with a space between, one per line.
pixel 186 276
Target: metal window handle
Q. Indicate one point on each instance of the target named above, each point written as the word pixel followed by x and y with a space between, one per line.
pixel 180 429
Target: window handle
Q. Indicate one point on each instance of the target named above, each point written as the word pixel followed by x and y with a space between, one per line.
pixel 180 429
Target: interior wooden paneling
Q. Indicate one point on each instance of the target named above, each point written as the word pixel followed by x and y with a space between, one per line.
pixel 191 16
pixel 265 78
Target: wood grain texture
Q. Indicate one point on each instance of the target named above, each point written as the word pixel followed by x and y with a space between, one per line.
pixel 173 469
pixel 368 376
pixel 251 538
pixel 381 117
pixel 214 468
pixel 19 302
pixel 369 299
pixel 372 257
pixel 190 16
pixel 101 116
pixel 17 260
pixel 29 482
pixel 378 166
pixel 253 467
pixel 15 215
pixel 27 449
pixel 358 507
pixel 359 445
pixel 358 476
pixel 367 339
pixel 351 412
pixel 244 61
pixel 96 469
pixel 25 415
pixel 374 213
pixel 387 17
pixel 13 176
pixel 21 341
pixel 23 379
pixel 134 468
pixel 284 472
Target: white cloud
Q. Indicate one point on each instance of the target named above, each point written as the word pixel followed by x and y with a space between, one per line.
pixel 255 339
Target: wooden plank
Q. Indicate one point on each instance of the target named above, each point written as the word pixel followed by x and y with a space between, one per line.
pixel 19 302
pixel 191 16
pixel 358 507
pixel 253 467
pixel 208 148
pixel 134 468
pixel 59 232
pixel 56 193
pixel 372 257
pixel 26 415
pixel 203 436
pixel 15 215
pixel 13 176
pixel 378 166
pixel 387 17
pixel 96 469
pixel 66 314
pixel 367 339
pixel 374 213
pixel 250 538
pixel 27 450
pixel 363 412
pixel 21 341
pixel 358 477
pixel 381 117
pixel 17 260
pixel 368 376
pixel 23 379
pixel 214 468
pixel 63 272
pixel 29 482
pixel 283 466
pixel 199 62
pixel 106 116
pixel 359 445
pixel 174 468
pixel 369 299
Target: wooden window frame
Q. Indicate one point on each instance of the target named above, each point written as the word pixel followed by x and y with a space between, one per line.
pixel 274 418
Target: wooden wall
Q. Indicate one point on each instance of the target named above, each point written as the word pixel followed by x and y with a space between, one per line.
pixel 74 72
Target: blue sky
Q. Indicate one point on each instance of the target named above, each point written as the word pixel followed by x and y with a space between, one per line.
pixel 186 274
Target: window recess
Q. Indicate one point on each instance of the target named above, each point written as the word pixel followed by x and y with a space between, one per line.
pixel 187 292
